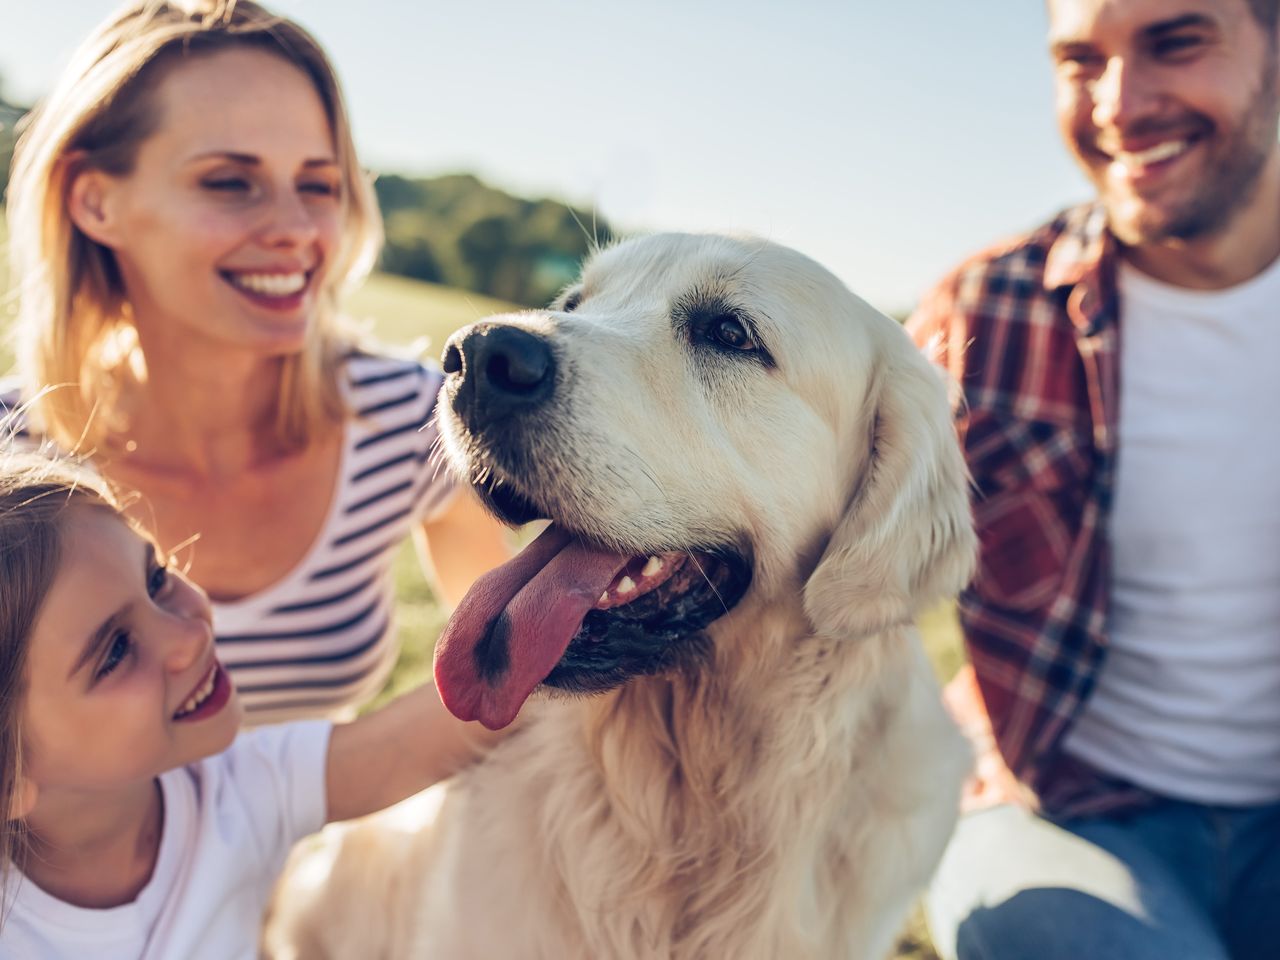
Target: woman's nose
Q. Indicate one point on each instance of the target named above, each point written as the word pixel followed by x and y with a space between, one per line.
pixel 290 221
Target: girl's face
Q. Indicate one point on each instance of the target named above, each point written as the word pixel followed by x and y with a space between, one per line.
pixel 227 224
pixel 123 683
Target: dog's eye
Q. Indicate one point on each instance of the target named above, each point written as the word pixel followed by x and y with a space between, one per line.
pixel 571 302
pixel 730 332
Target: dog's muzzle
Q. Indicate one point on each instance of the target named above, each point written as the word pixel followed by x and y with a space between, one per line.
pixel 496 372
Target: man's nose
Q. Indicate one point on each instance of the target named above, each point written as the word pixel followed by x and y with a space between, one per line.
pixel 1119 94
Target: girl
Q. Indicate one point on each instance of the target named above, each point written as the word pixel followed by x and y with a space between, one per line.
pixel 185 209
pixel 139 824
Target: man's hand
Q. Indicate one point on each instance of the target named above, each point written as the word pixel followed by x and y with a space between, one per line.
pixel 992 783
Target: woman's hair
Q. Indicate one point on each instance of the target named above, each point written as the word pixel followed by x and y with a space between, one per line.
pixel 35 492
pixel 74 323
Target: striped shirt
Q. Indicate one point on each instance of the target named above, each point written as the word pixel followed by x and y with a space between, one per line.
pixel 320 641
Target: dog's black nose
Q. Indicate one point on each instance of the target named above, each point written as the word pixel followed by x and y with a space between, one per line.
pixel 497 371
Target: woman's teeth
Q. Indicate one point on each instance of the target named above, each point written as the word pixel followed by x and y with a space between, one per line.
pixel 270 284
pixel 201 695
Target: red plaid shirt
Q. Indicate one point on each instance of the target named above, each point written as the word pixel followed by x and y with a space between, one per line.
pixel 1029 331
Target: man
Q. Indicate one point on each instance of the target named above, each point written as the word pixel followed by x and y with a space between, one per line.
pixel 1121 371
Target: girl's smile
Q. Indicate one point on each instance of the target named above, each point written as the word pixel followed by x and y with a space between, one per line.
pixel 123 682
pixel 212 695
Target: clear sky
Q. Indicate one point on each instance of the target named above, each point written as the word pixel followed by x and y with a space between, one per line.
pixel 885 138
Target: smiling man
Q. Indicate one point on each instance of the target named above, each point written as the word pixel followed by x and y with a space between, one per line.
pixel 1118 367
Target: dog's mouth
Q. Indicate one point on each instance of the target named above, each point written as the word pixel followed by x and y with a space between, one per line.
pixel 579 617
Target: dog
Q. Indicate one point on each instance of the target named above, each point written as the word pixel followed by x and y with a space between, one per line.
pixel 731 743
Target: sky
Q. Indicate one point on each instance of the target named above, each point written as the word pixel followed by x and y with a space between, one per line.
pixel 886 139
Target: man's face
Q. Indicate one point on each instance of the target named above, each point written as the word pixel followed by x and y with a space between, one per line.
pixel 1170 107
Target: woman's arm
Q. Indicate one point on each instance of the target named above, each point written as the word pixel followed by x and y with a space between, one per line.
pixel 460 545
pixel 397 751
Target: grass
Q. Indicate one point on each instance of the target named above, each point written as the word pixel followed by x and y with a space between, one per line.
pixel 406 312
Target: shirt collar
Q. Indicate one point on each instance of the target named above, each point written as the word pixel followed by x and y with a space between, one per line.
pixel 1083 257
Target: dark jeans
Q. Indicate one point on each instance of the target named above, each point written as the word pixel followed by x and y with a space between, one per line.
pixel 1176 882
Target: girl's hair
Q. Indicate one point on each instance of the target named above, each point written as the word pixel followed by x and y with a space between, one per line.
pixel 73 315
pixel 35 492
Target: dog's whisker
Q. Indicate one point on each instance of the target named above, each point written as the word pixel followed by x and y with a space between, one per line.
pixel 708 579
pixel 625 480
pixel 593 242
pixel 644 468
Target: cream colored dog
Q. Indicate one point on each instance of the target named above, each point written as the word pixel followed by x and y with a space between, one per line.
pixel 754 487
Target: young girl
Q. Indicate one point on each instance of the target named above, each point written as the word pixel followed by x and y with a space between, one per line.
pixel 139 823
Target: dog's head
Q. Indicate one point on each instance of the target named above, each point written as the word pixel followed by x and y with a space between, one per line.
pixel 698 417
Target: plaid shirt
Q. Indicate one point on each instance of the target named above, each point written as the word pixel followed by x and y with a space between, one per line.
pixel 1029 331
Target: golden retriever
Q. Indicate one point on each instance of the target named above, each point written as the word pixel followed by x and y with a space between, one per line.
pixel 754 487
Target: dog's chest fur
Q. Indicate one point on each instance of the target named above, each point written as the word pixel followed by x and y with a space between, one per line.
pixel 712 815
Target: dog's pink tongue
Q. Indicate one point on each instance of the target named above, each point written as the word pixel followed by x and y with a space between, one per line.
pixel 514 624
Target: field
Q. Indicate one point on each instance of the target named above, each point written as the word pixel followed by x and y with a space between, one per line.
pixel 401 311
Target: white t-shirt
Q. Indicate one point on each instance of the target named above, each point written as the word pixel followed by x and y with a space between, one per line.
pixel 1187 703
pixel 229 822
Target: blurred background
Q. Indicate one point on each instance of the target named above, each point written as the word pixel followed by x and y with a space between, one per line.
pixel 886 140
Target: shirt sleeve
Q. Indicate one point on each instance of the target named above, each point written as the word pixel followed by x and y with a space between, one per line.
pixel 274 777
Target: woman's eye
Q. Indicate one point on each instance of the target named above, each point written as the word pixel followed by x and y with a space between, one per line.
pixel 320 189
pixel 729 331
pixel 226 184
pixel 121 645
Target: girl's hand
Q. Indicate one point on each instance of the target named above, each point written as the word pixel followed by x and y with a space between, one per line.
pixel 397 751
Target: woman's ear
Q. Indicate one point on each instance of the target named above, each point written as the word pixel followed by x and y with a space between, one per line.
pixel 24 798
pixel 91 204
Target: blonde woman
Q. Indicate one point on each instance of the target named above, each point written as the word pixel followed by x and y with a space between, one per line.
pixel 185 210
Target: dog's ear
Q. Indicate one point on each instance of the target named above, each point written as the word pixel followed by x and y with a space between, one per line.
pixel 906 538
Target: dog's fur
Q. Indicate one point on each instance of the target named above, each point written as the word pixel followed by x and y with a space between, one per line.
pixel 788 793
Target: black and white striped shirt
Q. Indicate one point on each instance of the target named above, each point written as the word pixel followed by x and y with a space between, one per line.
pixel 320 641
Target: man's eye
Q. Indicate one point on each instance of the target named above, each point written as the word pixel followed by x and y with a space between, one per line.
pixel 119 648
pixel 1075 60
pixel 1176 46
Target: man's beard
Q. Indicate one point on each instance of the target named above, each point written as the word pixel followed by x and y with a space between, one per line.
pixel 1229 183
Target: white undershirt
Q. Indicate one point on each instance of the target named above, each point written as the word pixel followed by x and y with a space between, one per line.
pixel 229 822
pixel 1188 701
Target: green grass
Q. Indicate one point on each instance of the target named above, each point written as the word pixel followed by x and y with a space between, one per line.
pixel 404 312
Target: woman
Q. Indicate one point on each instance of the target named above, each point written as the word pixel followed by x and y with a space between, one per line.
pixel 185 210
